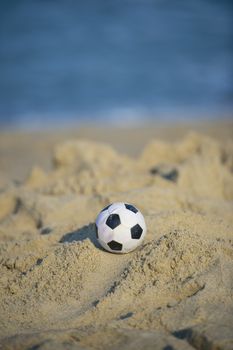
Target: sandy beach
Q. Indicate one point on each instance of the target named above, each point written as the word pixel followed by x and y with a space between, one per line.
pixel 60 290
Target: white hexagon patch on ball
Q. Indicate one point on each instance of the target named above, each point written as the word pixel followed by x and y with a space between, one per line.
pixel 120 228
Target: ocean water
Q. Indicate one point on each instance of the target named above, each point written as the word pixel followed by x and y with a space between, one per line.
pixel 114 61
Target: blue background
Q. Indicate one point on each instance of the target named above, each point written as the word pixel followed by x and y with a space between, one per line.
pixel 114 61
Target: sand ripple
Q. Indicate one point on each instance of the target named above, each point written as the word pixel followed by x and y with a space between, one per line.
pixel 60 290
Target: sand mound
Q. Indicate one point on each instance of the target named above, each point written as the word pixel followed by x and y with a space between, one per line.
pixel 60 290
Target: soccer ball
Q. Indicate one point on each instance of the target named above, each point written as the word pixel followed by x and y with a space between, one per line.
pixel 120 228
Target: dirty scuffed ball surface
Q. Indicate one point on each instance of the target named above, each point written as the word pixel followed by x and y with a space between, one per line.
pixel 120 228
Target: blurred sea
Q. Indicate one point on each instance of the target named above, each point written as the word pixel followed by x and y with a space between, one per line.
pixel 114 61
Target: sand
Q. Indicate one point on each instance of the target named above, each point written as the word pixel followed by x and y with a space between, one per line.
pixel 60 290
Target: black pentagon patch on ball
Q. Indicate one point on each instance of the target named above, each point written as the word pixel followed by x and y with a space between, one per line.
pixel 106 208
pixel 131 208
pixel 96 231
pixel 136 231
pixel 113 221
pixel 115 245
